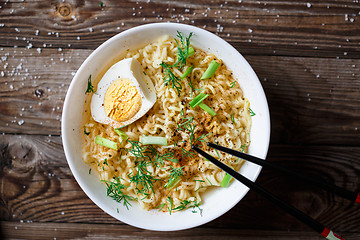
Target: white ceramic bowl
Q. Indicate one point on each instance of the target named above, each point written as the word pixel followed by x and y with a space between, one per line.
pixel 217 201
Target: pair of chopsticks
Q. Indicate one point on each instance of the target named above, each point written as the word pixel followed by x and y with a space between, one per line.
pixel 318 227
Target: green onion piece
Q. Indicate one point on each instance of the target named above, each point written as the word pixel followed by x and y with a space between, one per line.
pixel 187 72
pixel 145 140
pixel 191 51
pixel 198 99
pixel 207 109
pixel 105 142
pixel 171 184
pixel 123 135
pixel 226 181
pixel 210 70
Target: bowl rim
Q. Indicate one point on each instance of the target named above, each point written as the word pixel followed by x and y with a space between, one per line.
pixel 110 41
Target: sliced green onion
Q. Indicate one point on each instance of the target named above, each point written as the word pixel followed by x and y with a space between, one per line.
pixel 172 184
pixel 105 142
pixel 198 99
pixel 191 51
pixel 210 70
pixel 187 72
pixel 145 140
pixel 207 109
pixel 122 134
pixel 226 181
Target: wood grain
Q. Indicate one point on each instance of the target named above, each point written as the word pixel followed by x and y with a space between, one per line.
pixel 15 230
pixel 37 186
pixel 312 100
pixel 305 53
pixel 322 29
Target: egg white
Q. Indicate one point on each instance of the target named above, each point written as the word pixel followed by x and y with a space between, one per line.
pixel 131 69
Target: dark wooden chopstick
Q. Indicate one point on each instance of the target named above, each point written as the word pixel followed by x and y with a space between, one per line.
pixel 318 227
pixel 352 196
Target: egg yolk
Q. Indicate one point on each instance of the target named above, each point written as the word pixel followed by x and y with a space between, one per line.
pixel 122 100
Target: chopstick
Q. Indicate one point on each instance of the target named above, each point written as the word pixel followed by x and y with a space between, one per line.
pixel 352 196
pixel 318 227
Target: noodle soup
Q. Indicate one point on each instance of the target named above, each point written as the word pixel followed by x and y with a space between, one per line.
pixel 171 177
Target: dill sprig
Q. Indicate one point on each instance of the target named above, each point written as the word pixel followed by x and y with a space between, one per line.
pixel 187 125
pixel 251 112
pixel 170 79
pixel 90 87
pixel 142 178
pixel 114 190
pixel 175 175
pixel 183 49
pixel 171 207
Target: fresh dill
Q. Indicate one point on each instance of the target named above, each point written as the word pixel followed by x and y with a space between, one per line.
pixel 183 49
pixel 171 208
pixel 114 190
pixel 142 178
pixel 251 112
pixel 233 118
pixel 232 84
pixel 105 162
pixel 170 79
pixel 198 180
pixel 209 181
pixel 174 176
pixel 89 171
pixel 85 132
pixel 90 87
pixel 161 206
pixel 187 125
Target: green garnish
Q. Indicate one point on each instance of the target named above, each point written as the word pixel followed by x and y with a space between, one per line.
pixel 161 206
pixel 187 72
pixel 90 87
pixel 170 79
pixel 171 208
pixel 226 181
pixel 89 171
pixel 85 132
pixel 207 109
pixel 251 112
pixel 197 101
pixel 174 177
pixel 101 4
pixel 233 118
pixel 144 72
pixel 232 84
pixel 122 134
pixel 184 49
pixel 114 190
pixel 209 181
pixel 210 71
pixel 105 162
pixel 186 124
pixel 105 142
pixel 145 140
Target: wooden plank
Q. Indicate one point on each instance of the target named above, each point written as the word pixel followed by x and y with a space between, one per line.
pixel 303 28
pixel 312 100
pixel 37 186
pixel 15 230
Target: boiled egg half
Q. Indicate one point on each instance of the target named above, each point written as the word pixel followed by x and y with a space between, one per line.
pixel 124 94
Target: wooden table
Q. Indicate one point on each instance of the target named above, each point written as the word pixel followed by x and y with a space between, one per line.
pixel 306 55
